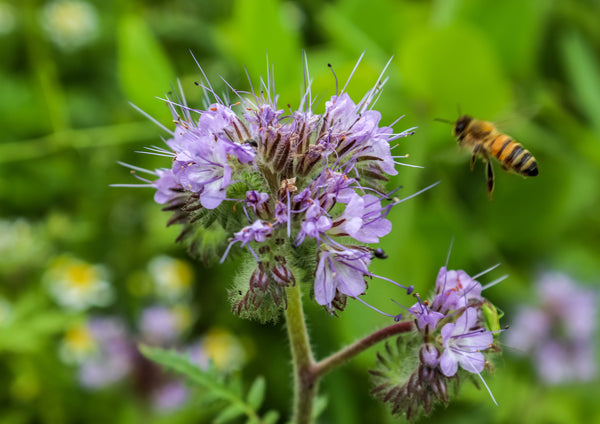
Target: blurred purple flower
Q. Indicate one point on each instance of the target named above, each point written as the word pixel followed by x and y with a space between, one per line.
pixel 560 332
pixel 113 359
pixel 170 396
pixel 160 326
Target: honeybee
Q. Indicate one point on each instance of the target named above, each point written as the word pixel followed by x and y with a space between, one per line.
pixel 485 141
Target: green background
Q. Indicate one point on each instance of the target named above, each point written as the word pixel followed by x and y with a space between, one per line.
pixel 532 67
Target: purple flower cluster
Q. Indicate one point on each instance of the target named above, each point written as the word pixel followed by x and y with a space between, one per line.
pixel 286 185
pixel 451 334
pixel 560 332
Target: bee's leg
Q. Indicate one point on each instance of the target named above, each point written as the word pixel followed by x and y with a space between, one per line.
pixel 490 178
pixel 476 151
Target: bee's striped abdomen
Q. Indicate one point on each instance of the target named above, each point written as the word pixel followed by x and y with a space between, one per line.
pixel 513 156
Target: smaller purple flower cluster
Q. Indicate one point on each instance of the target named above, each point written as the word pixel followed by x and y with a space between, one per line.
pixel 451 333
pixel 456 311
pixel 560 332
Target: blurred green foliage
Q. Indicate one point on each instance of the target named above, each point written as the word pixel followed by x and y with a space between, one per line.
pixel 533 67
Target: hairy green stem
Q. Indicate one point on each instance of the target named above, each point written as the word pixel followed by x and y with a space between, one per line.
pixel 307 372
pixel 324 366
pixel 305 380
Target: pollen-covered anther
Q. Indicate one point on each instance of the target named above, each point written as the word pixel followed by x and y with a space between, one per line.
pixel 287 185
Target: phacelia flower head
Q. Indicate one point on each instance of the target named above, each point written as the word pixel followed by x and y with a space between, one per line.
pixel 299 190
pixel 560 331
pixel 452 337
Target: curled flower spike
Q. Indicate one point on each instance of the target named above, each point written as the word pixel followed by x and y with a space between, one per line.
pixel 304 185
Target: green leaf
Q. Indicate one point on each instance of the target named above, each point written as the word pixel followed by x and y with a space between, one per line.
pixel 270 417
pixel 230 393
pixel 248 43
pixel 583 69
pixel 228 414
pixel 178 362
pixel 144 69
pixel 235 385
pixel 32 325
pixel 319 406
pixel 256 394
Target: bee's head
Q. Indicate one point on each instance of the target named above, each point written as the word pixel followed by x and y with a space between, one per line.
pixel 461 124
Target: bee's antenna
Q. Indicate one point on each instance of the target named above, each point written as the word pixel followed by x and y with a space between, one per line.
pixel 336 80
pixel 444 120
pixel 458 109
